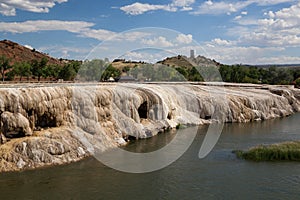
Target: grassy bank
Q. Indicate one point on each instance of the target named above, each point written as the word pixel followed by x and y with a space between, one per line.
pixel 287 151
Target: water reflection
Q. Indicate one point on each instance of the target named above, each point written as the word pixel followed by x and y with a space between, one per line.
pixel 218 176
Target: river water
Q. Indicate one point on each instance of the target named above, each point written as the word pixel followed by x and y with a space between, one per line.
pixel 219 176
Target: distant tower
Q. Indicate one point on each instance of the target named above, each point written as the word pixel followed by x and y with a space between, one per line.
pixel 192 53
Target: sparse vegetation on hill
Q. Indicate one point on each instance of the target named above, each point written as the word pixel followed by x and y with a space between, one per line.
pixel 17 53
pixel 18 62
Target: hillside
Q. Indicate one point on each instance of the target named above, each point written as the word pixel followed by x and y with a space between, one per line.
pixel 120 64
pixel 183 61
pixel 18 53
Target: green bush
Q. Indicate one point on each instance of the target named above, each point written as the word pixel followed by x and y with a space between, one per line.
pixel 288 151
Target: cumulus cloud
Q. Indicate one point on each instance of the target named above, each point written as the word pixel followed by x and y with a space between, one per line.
pixel 208 7
pixel 284 18
pixel 99 34
pixel 183 3
pixel 82 28
pixel 141 8
pixel 222 7
pixel 279 60
pixel 221 42
pixel 186 8
pixel 279 28
pixel 271 2
pixel 242 54
pixel 8 7
pixel 238 17
pixel 44 25
pixel 228 7
pixel 184 39
pixel 158 42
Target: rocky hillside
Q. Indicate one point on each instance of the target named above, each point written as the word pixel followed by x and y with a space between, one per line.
pixel 19 53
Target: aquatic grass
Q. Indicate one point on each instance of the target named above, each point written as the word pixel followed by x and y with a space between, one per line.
pixel 287 151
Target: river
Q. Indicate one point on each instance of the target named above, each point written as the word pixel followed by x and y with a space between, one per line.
pixel 219 176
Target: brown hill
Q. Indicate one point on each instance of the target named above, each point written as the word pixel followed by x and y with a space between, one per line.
pixel 18 53
pixel 183 61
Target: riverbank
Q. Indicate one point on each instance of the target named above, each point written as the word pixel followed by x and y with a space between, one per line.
pixel 43 125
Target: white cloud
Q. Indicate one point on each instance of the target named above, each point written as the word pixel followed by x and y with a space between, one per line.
pixel 279 60
pixel 183 3
pixel 216 8
pixel 7 10
pixel 221 42
pixel 99 34
pixel 8 7
pixel 130 36
pixel 208 7
pixel 233 54
pixel 44 25
pixel 186 8
pixel 276 30
pixel 238 17
pixel 271 2
pixel 281 28
pixel 284 18
pixel 140 8
pixel 242 54
pixel 184 39
pixel 228 7
pixel 270 39
pixel 158 42
pixel 82 28
pixel 245 21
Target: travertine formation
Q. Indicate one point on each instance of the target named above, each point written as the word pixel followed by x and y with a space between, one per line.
pixel 43 125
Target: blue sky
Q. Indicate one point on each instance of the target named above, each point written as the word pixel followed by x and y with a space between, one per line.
pixel 249 31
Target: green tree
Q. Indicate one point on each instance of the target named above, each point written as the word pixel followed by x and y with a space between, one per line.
pixel 54 70
pixel 68 72
pixel 4 66
pixel 110 71
pixel 194 75
pixel 126 69
pixel 284 77
pixel 22 69
pixel 182 71
pixel 297 83
pixel 226 73
pixel 39 68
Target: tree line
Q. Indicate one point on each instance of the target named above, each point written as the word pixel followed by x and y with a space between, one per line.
pixel 243 74
pixel 37 69
pixel 102 70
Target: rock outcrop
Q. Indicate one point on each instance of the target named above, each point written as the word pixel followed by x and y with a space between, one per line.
pixel 43 125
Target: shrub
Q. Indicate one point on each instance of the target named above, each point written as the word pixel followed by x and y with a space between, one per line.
pixel 287 151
